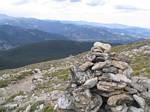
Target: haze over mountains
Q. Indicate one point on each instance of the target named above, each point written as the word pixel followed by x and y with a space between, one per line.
pixel 64 30
pixel 28 40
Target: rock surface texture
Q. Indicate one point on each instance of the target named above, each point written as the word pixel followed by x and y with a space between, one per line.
pixel 105 84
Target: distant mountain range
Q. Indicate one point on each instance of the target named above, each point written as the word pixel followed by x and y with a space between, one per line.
pixel 27 40
pixel 12 36
pixel 20 31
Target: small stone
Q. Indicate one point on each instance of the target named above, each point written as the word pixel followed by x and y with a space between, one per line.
pixel 65 102
pixel 100 57
pixel 79 77
pixel 86 66
pixel 119 99
pixel 110 70
pixel 140 101
pixel 120 64
pixel 119 78
pixel 120 108
pixel 131 90
pixel 41 106
pixel 19 98
pixel 91 82
pixel 28 108
pixel 99 65
pixel 134 109
pixel 105 47
pixel 11 106
pixel 96 49
pixel 128 72
pixel 110 86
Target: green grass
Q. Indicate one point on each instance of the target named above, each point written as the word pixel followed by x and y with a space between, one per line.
pixel 9 99
pixel 23 75
pixel 130 46
pixel 34 107
pixel 2 109
pixel 48 109
pixel 4 83
pixel 62 74
pixel 140 63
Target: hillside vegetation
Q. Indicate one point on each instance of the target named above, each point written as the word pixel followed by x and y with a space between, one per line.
pixel 138 54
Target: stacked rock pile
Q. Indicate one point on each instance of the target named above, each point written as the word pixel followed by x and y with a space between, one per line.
pixel 104 84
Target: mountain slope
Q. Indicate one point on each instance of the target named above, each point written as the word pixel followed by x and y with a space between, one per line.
pixel 12 36
pixel 48 50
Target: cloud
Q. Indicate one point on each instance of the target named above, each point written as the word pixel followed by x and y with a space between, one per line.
pixel 20 2
pixel 96 2
pixel 127 8
pixel 66 0
pixel 75 0
pixel 59 0
pixel 103 11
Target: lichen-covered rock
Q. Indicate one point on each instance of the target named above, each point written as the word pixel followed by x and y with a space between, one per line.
pixel 85 66
pixel 119 100
pixel 110 70
pixel 85 101
pixel 66 102
pixel 140 101
pixel 80 77
pixel 120 64
pixel 103 46
pixel 90 83
pixel 119 78
pixel 99 65
pixel 110 86
pixel 135 109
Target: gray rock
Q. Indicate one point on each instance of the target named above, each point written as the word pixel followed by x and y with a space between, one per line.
pixel 120 108
pixel 119 78
pixel 105 47
pixel 86 66
pixel 99 65
pixel 110 86
pixel 134 109
pixel 86 102
pixel 19 98
pixel 79 77
pixel 10 106
pixel 140 101
pixel 119 99
pixel 2 100
pixel 100 57
pixel 110 70
pixel 120 64
pixel 28 108
pixel 128 72
pixel 97 49
pixel 65 102
pixel 90 83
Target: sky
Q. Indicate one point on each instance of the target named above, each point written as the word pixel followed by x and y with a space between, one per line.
pixel 128 12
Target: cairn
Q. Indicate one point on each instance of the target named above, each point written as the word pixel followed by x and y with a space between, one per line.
pixel 104 84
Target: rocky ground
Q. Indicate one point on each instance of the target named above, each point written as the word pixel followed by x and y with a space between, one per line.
pixel 104 83
pixel 36 88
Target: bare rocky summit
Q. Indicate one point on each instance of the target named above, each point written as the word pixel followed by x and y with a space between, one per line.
pixel 104 83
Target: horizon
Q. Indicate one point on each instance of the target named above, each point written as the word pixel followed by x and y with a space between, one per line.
pixel 60 20
pixel 125 12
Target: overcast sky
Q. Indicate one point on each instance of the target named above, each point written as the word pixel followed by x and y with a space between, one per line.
pixel 129 12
